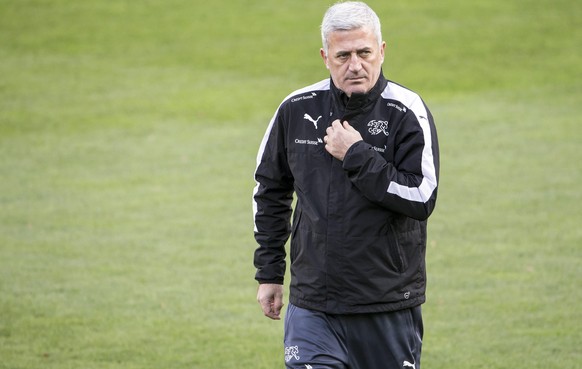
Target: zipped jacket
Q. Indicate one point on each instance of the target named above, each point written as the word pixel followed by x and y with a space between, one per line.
pixel 358 235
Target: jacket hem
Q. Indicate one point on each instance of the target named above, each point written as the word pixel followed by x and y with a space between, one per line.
pixel 357 309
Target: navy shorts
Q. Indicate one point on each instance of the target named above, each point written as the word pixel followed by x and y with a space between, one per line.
pixel 316 340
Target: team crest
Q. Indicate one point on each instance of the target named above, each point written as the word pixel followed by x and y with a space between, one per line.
pixel 377 127
pixel 291 352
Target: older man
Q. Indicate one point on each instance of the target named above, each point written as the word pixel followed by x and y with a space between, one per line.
pixel 361 155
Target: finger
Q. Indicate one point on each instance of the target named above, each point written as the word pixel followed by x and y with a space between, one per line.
pixel 336 124
pixel 273 315
pixel 274 311
pixel 329 130
pixel 277 305
pixel 268 310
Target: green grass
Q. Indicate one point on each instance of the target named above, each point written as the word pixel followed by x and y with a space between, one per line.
pixel 128 135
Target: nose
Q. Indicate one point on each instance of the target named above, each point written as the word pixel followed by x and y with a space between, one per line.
pixel 355 63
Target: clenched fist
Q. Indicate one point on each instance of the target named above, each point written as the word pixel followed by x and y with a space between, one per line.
pixel 340 137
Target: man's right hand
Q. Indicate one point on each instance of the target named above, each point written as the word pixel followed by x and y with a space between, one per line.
pixel 270 297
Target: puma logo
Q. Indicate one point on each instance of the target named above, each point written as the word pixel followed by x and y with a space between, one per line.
pixel 407 364
pixel 308 117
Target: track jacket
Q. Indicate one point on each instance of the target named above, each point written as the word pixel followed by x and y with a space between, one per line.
pixel 359 227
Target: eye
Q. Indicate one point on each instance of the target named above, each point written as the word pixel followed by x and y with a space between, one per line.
pixel 365 53
pixel 343 56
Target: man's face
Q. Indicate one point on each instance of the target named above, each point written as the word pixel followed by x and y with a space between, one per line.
pixel 354 59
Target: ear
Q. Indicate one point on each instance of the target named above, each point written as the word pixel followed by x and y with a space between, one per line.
pixel 383 50
pixel 324 57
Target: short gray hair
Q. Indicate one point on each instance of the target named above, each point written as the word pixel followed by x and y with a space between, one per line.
pixel 349 15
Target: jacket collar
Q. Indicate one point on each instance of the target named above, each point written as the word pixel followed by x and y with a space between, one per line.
pixel 357 103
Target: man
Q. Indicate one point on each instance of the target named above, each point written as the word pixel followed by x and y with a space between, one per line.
pixel 361 155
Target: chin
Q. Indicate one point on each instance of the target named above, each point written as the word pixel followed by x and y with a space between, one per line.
pixel 356 88
pixel 351 91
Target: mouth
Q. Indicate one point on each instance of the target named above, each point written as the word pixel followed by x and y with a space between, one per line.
pixel 355 79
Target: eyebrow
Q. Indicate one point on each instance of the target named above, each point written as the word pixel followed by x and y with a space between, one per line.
pixel 345 52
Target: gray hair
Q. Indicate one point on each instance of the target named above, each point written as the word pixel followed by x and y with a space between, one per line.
pixel 349 15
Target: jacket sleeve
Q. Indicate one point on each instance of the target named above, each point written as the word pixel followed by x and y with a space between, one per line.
pixel 272 199
pixel 408 185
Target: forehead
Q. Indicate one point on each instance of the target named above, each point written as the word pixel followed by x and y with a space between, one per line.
pixel 355 39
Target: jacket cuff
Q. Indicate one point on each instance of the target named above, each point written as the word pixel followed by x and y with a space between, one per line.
pixel 356 155
pixel 275 281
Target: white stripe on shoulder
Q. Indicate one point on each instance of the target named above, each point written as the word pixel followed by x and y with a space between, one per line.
pixel 414 103
pixel 322 85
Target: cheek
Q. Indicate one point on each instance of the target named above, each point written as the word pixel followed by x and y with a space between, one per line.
pixel 340 68
pixel 373 68
pixel 335 70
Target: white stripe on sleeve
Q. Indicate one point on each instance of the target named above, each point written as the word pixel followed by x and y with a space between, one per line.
pixel 413 102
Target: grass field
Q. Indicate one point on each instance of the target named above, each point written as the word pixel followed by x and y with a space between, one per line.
pixel 128 135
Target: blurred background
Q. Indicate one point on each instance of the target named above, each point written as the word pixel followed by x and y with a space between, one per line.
pixel 128 139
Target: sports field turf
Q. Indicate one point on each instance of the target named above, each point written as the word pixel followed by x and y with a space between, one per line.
pixel 128 136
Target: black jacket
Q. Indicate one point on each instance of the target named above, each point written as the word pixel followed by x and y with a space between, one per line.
pixel 359 228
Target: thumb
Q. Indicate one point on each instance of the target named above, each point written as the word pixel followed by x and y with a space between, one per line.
pixel 277 303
